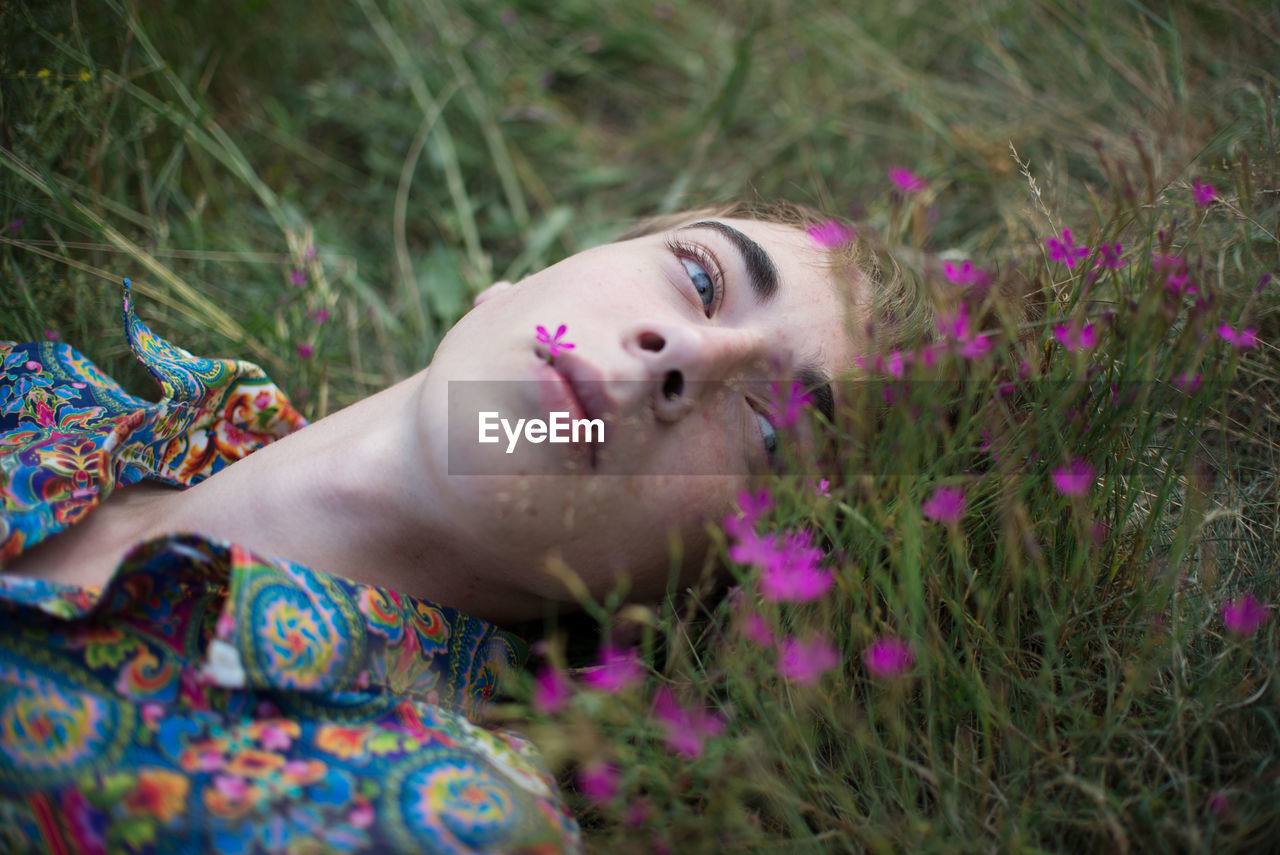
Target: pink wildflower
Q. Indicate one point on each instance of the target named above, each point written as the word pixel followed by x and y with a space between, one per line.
pixel 1204 194
pixel 1243 615
pixel 1241 340
pixel 887 658
pixel 686 730
pixel 52 335
pixel 1109 256
pixel 831 234
pixel 1065 250
pixel 1076 337
pixel 955 325
pixel 551 690
pixel 906 180
pixel 1219 803
pixel 752 548
pixel 298 276
pixel 305 350
pixel 616 670
pixel 1187 382
pixel 965 273
pixel 974 348
pixel 793 574
pixel 318 315
pixel 598 781
pixel 803 662
pixel 823 488
pixel 756 628
pixel 751 507
pixel 1074 479
pixel 945 505
pixel 553 342
pixel 784 408
pixel 15 225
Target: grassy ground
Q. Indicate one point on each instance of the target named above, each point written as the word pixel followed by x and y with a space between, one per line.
pixel 321 187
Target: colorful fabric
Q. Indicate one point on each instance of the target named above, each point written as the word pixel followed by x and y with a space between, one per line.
pixel 209 699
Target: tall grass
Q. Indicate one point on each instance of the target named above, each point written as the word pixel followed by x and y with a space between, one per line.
pixel 321 187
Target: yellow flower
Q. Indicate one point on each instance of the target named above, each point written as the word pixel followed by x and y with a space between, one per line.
pixel 44 72
pixel 85 76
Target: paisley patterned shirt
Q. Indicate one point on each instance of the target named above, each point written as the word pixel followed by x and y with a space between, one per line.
pixel 209 699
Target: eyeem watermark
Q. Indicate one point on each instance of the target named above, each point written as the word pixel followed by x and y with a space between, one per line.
pixel 560 429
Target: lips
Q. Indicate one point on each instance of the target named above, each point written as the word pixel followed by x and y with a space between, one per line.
pixel 570 385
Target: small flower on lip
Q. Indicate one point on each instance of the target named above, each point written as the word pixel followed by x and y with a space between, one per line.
pixel 553 342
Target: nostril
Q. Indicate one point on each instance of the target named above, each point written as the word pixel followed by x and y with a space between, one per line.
pixel 672 386
pixel 652 341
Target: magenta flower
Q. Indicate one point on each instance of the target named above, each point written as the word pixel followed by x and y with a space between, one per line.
pixel 305 351
pixel 616 670
pixel 792 574
pixel 308 252
pixel 888 658
pixel 823 488
pixel 955 324
pixel 754 549
pixel 1219 803
pixel 551 690
pixel 1187 382
pixel 1074 479
pixel 831 234
pixel 598 781
pixel 803 662
pixel 1243 615
pixel 751 508
pixel 686 730
pixel 1204 194
pixel 756 628
pixel 553 342
pixel 965 273
pixel 906 180
pixel 945 505
pixel 15 225
pixel 52 335
pixel 1109 256
pixel 1076 337
pixel 1065 249
pixel 974 348
pixel 784 408
pixel 318 315
pixel 1241 340
pixel 298 276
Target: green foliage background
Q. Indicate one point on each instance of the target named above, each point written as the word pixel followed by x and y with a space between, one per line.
pixel 424 149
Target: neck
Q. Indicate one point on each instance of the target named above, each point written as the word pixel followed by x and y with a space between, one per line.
pixel 355 495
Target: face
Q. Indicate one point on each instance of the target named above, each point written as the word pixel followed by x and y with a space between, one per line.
pixel 675 337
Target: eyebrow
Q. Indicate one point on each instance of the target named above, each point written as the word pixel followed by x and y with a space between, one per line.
pixel 761 272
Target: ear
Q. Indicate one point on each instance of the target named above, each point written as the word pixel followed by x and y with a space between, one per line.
pixel 492 291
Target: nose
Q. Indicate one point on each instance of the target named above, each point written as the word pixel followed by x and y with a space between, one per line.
pixel 682 363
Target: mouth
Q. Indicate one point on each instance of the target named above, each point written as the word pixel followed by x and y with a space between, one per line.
pixel 568 385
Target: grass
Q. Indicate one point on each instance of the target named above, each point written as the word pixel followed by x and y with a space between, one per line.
pixel 1074 687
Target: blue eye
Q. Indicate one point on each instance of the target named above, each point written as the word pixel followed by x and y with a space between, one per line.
pixel 770 435
pixel 702 282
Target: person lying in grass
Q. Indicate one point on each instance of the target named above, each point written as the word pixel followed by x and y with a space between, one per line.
pixel 241 650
